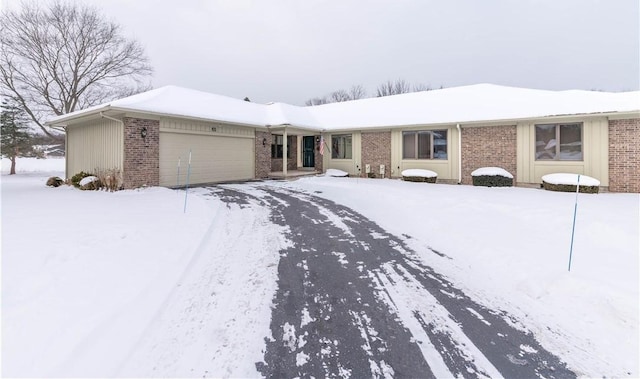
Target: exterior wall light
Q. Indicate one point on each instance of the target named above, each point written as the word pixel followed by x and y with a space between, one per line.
pixel 143 132
pixel 264 142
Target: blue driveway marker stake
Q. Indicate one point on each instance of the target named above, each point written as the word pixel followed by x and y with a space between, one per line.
pixel 186 188
pixel 178 176
pixel 573 230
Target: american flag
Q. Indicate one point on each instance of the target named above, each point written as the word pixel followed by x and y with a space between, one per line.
pixel 321 145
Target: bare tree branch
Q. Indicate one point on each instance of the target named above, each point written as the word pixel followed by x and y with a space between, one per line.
pixel 354 93
pixel 390 87
pixel 60 57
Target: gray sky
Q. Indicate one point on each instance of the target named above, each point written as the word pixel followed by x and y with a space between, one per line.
pixel 291 51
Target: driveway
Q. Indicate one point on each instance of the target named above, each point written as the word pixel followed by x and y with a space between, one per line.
pixel 355 301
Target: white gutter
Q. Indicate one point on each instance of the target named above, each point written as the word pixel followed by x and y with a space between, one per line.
pixel 459 153
pixel 111 118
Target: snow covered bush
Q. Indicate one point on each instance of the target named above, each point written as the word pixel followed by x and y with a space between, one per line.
pixel 569 182
pixel 75 180
pixel 419 175
pixel 90 183
pixel 492 177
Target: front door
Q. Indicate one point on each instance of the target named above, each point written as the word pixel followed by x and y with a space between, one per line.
pixel 308 153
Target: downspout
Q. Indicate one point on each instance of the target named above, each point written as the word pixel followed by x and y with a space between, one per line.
pixel 459 153
pixel 122 124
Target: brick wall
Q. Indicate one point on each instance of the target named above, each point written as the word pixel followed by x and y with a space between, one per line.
pixel 624 155
pixel 141 155
pixel 263 154
pixel 292 163
pixel 376 151
pixel 491 146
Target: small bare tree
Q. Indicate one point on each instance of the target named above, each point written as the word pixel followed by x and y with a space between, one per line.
pixel 317 101
pixel 354 93
pixel 339 96
pixel 357 92
pixel 390 87
pixel 61 57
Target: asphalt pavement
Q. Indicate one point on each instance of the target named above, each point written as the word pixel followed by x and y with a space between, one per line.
pixel 355 301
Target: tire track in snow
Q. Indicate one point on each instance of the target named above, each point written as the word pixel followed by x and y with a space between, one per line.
pixel 355 301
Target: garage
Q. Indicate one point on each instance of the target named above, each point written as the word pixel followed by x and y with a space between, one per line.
pixel 219 152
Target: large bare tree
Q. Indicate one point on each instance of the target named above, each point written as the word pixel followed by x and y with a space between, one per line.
pixel 59 57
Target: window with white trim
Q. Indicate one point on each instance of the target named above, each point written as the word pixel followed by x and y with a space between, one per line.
pixel 341 146
pixel 559 142
pixel 424 144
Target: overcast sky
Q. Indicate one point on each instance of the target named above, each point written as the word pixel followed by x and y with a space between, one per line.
pixel 291 51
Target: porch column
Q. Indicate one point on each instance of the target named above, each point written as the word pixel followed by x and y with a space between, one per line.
pixel 285 161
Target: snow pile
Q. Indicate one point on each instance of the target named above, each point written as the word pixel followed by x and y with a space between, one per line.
pixel 420 173
pixel 336 173
pixel 570 180
pixel 492 171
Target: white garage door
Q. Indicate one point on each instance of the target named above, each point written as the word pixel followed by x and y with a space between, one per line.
pixel 213 158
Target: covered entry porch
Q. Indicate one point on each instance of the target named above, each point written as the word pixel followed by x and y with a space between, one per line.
pixel 294 151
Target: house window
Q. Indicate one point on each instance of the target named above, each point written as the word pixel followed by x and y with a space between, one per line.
pixel 424 144
pixel 559 142
pixel 276 146
pixel 341 146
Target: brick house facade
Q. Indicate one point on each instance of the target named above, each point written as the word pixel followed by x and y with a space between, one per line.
pixel 624 155
pixel 492 146
pixel 141 163
pixel 376 151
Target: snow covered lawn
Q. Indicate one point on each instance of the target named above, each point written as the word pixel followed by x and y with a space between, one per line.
pixel 126 284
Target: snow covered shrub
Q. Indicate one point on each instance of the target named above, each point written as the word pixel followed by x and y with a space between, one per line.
pixel 569 188
pixel 568 182
pixel 492 181
pixel 420 179
pixel 75 180
pixel 90 183
pixel 54 181
pixel 419 175
pixel 492 177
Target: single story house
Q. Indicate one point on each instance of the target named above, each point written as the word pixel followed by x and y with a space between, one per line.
pixel 150 136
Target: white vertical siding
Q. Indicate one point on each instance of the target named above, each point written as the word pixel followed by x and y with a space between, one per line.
pixel 96 145
pixel 354 165
pixel 595 152
pixel 445 168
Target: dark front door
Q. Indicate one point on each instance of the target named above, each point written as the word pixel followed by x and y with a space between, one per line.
pixel 308 144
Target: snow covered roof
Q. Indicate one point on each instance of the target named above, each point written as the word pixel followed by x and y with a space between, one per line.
pixel 474 103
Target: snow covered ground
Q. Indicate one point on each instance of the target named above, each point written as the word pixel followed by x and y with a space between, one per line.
pixel 126 284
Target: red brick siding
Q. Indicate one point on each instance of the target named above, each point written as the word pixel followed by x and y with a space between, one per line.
pixel 624 155
pixel 376 151
pixel 263 154
pixel 490 146
pixel 141 155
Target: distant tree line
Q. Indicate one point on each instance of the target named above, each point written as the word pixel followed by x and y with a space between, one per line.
pixel 388 88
